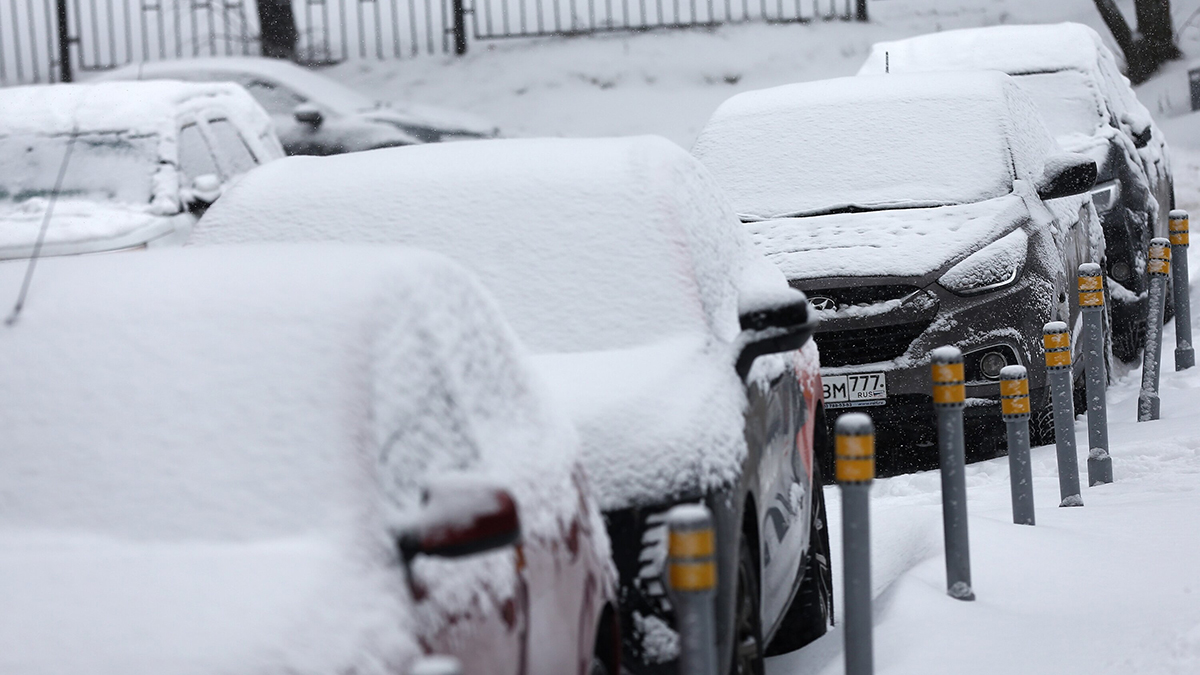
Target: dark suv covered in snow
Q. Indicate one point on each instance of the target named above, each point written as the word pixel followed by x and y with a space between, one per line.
pixel 1090 108
pixel 915 211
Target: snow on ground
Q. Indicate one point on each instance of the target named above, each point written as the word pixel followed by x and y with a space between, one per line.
pixel 669 82
pixel 1107 588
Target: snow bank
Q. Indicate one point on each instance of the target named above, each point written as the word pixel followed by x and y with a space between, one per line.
pixel 249 398
pixel 879 142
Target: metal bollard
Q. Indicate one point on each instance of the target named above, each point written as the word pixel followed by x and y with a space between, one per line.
pixel 1057 342
pixel 855 470
pixel 1014 404
pixel 692 581
pixel 436 665
pixel 949 397
pixel 1185 356
pixel 1091 301
pixel 1159 267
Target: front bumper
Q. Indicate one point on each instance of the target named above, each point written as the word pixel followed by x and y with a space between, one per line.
pixel 892 327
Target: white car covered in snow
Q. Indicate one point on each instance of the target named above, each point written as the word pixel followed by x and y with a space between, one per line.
pixel 1090 108
pixel 668 336
pixel 314 114
pixel 915 211
pixel 133 163
pixel 261 460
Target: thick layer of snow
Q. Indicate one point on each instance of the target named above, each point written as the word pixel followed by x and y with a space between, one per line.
pixel 996 263
pixel 223 409
pixel 617 254
pixel 588 244
pixel 888 141
pixel 866 244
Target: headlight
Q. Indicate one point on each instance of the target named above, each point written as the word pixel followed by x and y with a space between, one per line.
pixel 1105 196
pixel 994 266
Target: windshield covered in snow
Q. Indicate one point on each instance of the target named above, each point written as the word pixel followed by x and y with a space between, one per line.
pixel 783 154
pixel 111 167
pixel 1067 99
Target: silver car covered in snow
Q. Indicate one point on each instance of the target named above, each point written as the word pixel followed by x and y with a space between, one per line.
pixel 133 163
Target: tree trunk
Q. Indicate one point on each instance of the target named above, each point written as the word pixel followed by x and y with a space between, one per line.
pixel 277 28
pixel 1154 42
pixel 1154 25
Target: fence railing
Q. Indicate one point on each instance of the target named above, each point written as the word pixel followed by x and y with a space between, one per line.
pixel 106 34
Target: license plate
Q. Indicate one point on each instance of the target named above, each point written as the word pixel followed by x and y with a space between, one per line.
pixel 845 391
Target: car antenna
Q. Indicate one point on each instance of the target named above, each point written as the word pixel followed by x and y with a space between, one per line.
pixel 37 246
pixel 887 63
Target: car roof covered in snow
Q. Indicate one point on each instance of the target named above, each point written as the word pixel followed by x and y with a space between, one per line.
pixel 587 243
pixel 140 108
pixel 895 141
pixel 311 85
pixel 1014 50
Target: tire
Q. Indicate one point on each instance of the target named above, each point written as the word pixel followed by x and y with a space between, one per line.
pixel 747 617
pixel 811 611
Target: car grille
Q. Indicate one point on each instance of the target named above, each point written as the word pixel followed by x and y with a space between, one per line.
pixel 857 346
pixel 860 295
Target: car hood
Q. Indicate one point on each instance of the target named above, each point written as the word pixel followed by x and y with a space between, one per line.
pixel 81 226
pixel 657 422
pixel 895 243
pixel 81 604
pixel 443 120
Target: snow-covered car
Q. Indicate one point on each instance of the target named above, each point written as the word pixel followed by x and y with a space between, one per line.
pixel 133 163
pixel 668 336
pixel 915 211
pixel 261 460
pixel 1090 107
pixel 316 115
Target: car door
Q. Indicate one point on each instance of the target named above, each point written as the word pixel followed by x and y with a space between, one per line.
pixel 778 410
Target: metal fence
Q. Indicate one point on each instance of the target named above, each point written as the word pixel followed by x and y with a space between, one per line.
pixel 109 33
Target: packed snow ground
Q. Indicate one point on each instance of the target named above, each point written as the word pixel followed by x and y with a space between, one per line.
pixel 1106 588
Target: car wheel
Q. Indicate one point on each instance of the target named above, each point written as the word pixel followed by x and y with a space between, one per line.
pixel 747 627
pixel 811 611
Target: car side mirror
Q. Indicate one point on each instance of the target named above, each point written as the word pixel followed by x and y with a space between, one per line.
pixel 461 518
pixel 1067 175
pixel 1142 139
pixel 309 115
pixel 777 328
pixel 205 190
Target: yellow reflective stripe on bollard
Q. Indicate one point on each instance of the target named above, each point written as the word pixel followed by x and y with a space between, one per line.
pixel 1056 340
pixel 1091 291
pixel 1160 259
pixel 949 393
pixel 1058 359
pixel 1179 231
pixel 692 576
pixel 1091 283
pixel 948 373
pixel 855 458
pixel 1014 387
pixel 694 544
pixel 1018 405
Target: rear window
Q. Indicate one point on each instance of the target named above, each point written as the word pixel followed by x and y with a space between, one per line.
pixel 113 167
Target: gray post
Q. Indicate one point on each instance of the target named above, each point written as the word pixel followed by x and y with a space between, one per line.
pixel 692 582
pixel 1014 404
pixel 861 10
pixel 458 13
pixel 64 41
pixel 1185 356
pixel 949 397
pixel 1091 301
pixel 855 470
pixel 436 665
pixel 1159 267
pixel 1057 342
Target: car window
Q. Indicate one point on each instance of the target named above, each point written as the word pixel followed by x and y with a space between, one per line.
pixel 231 150
pixel 276 99
pixel 195 157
